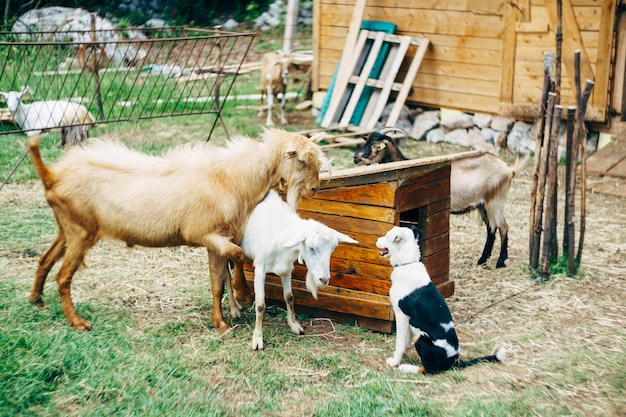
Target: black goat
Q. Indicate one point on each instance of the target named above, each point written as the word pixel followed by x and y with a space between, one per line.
pixel 479 181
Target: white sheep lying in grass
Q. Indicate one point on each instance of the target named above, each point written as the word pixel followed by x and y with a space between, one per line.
pixel 274 238
pixel 40 116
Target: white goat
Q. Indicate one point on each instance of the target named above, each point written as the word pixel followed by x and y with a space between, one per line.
pixel 479 181
pixel 274 78
pixel 274 238
pixel 40 116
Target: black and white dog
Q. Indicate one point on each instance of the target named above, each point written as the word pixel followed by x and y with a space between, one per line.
pixel 422 315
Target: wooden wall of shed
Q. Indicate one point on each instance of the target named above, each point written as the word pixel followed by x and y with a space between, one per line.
pixel 485 56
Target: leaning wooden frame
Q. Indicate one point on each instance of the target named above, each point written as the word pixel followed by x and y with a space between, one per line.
pixel 125 74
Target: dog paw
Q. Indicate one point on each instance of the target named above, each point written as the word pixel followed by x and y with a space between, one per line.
pixel 409 369
pixel 393 362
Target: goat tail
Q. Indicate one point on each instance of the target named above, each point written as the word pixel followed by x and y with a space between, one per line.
pixel 499 356
pixel 35 156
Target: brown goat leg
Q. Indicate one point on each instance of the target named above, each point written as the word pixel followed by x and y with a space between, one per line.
pixel 243 295
pixel 73 259
pixel 46 262
pixel 217 263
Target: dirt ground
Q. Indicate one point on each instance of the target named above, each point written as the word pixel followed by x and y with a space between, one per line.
pixel 542 326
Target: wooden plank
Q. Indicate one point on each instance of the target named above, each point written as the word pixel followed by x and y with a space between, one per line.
pixel 391 76
pixel 392 171
pixel 571 42
pixel 508 54
pixel 602 85
pixel 419 195
pixel 374 98
pixel 606 158
pixel 379 194
pixel 609 186
pixel 340 208
pixel 347 56
pixel 348 225
pixel 619 170
pixel 368 284
pixel 363 77
pixel 334 110
pixel 408 82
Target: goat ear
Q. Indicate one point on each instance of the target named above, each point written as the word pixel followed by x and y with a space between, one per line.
pixel 295 240
pixel 345 238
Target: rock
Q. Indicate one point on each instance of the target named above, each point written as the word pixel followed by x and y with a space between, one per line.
pixel 230 24
pixel 423 123
pixel 482 120
pixel 405 120
pixel 62 23
pixel 502 124
pixel 461 121
pixel 457 137
pixel 436 135
pixel 519 138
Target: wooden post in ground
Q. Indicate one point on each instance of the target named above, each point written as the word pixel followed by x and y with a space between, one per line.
pixel 582 143
pixel 571 162
pixel 549 237
pixel 538 136
pixel 541 184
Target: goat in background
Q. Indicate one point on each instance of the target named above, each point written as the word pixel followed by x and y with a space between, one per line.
pixel 480 181
pixel 274 79
pixel 40 116
pixel 105 190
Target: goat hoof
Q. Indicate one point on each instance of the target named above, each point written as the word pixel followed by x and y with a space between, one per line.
pixel 500 264
pixel 37 301
pixel 257 345
pixel 222 327
pixel 244 298
pixel 83 325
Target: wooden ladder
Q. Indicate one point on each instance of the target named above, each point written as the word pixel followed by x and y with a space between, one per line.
pixel 351 88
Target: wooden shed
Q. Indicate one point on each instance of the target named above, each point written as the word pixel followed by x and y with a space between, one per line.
pixel 364 203
pixel 487 55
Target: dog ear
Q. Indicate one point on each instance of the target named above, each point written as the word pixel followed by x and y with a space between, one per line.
pixel 417 232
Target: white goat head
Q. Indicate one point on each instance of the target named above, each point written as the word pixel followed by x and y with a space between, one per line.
pixel 13 99
pixel 315 245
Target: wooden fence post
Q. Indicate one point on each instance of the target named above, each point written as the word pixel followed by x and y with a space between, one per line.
pixel 551 219
pixel 538 136
pixel 541 184
pixel 571 161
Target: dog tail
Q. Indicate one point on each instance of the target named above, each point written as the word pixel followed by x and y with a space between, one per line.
pixel 498 356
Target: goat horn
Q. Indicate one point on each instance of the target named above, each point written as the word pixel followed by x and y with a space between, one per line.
pixel 384 130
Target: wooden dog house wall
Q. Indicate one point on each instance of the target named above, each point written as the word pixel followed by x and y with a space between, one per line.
pixel 364 203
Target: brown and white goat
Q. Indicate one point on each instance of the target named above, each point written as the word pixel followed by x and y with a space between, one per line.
pixel 479 181
pixel 195 195
pixel 274 78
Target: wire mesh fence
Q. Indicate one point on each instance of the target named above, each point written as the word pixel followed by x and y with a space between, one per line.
pixel 124 74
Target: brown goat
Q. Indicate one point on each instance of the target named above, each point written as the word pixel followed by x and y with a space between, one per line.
pixel 274 79
pixel 479 181
pixel 196 195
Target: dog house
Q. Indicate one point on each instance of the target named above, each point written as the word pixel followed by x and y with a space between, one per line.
pixel 364 203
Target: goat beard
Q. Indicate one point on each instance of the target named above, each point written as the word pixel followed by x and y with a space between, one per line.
pixel 311 285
